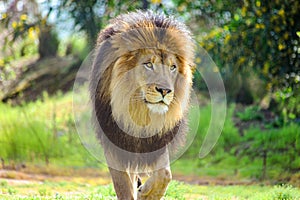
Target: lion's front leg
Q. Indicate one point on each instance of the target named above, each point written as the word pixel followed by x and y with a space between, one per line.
pixel 125 184
pixel 156 186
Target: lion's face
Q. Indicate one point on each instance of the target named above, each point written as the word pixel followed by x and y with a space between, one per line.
pixel 156 78
pixel 151 86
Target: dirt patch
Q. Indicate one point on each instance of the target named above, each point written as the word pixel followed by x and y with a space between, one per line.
pixel 16 177
pixel 195 180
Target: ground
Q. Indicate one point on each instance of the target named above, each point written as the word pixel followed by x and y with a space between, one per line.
pixel 97 185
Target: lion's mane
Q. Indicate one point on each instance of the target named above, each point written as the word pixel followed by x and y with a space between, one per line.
pixel 125 34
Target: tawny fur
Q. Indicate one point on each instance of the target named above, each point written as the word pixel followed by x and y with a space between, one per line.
pixel 118 82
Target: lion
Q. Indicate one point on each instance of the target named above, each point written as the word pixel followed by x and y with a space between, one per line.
pixel 140 87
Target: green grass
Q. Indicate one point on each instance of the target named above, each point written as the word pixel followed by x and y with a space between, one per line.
pixel 176 190
pixel 43 132
pixel 250 113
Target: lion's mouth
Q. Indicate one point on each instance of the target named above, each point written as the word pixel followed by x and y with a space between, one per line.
pixel 159 107
pixel 158 102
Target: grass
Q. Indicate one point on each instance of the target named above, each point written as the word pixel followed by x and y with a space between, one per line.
pixel 44 132
pixel 176 190
pixel 250 113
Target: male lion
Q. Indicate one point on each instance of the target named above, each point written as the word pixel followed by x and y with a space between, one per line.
pixel 140 89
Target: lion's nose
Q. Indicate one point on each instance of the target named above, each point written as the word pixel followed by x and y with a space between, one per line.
pixel 163 91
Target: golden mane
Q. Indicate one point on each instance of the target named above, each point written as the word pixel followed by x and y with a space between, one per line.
pixel 116 53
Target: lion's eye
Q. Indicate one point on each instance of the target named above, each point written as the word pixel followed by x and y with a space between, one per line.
pixel 148 65
pixel 173 68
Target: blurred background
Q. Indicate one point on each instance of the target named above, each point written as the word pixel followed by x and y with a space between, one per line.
pixel 254 43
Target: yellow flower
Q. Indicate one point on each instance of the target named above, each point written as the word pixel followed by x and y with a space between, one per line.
pixel 274 18
pixel 258 12
pixel 244 11
pixel 155 1
pixel 226 39
pixel 241 60
pixel 258 3
pixel 4 15
pixel 2 62
pixel 31 33
pixel 14 24
pixel 281 12
pixel 281 47
pixel 23 17
pixel 259 26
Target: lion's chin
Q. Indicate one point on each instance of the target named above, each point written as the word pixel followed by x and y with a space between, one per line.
pixel 159 108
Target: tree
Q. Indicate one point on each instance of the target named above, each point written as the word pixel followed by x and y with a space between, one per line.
pixel 262 36
pixel 22 19
pixel 92 15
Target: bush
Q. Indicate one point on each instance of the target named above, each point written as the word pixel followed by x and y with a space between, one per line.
pixel 266 34
pixel 250 113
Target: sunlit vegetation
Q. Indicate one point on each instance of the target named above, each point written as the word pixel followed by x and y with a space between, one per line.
pixel 44 132
pixel 176 190
pixel 255 45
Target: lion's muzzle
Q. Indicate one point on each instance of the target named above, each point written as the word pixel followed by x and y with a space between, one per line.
pixel 158 99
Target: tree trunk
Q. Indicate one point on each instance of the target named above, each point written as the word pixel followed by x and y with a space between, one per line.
pixel 264 165
pixel 37 76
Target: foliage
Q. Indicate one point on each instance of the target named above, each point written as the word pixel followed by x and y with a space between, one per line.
pixel 78 46
pixel 57 143
pixel 228 139
pixel 288 104
pixel 84 15
pixel 266 35
pixel 92 15
pixel 23 19
pixel 250 113
pixel 284 192
pixel 176 190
